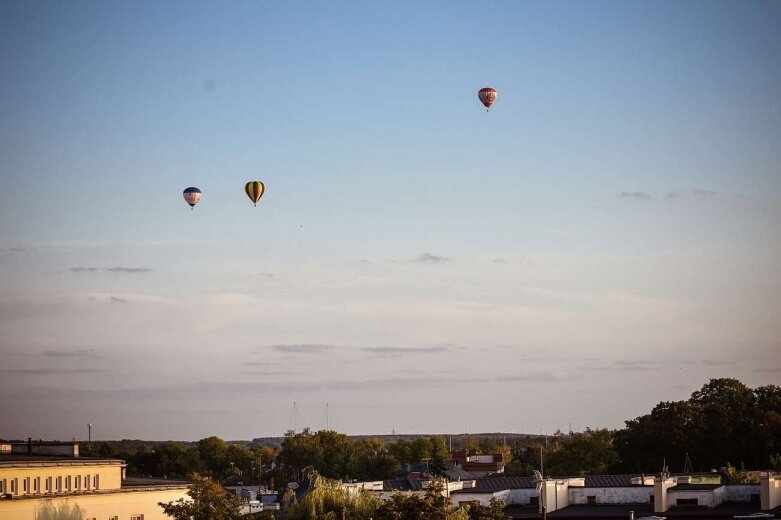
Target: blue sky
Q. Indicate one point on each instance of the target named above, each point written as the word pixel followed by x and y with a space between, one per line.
pixel 605 238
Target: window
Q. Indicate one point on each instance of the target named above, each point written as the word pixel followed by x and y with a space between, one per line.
pixel 48 484
pixel 113 518
pixel 86 482
pixel 95 481
pixel 59 484
pixel 37 485
pixel 686 502
pixel 14 486
pixel 68 483
pixel 2 486
pixel 77 482
pixel 591 500
pixel 136 517
pixel 26 484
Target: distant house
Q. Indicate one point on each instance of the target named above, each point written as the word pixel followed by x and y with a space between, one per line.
pixel 478 465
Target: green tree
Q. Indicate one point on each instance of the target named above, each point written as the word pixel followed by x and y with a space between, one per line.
pixel 327 499
pixel 666 435
pixel 213 452
pixel 493 511
pixel 208 501
pixel 725 412
pixel 590 452
pixel 432 505
pixel 436 464
pixel 374 461
pixel 300 451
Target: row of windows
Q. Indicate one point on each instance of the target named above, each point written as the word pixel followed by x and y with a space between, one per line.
pixel 32 485
pixel 132 517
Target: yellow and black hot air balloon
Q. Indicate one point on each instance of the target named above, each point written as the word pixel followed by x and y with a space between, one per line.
pixel 254 190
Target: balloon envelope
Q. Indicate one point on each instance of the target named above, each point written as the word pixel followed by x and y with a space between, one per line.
pixel 254 190
pixel 192 195
pixel 487 96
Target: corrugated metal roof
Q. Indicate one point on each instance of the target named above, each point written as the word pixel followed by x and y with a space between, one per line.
pixel 604 481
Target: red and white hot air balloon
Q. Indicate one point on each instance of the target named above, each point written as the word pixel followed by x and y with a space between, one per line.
pixel 487 97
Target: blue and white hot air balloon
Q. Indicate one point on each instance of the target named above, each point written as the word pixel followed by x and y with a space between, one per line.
pixel 191 196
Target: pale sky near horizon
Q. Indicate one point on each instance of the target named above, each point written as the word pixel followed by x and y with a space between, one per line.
pixel 607 237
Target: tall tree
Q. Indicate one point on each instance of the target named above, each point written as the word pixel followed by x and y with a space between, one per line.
pixel 590 452
pixel 208 501
pixel 724 409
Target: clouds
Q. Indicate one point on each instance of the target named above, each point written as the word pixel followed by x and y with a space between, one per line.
pixel 111 269
pixel 305 348
pixel 428 258
pixel 531 377
pixel 644 196
pixel 400 351
pixel 698 193
pixel 52 371
pixel 637 195
pixel 78 353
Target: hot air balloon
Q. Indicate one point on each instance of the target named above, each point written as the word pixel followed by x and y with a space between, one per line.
pixel 487 97
pixel 254 190
pixel 191 196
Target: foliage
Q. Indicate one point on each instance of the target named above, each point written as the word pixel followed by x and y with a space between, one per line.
pixel 439 453
pixel 432 505
pixel 493 511
pixel 723 421
pixel 327 499
pixel 208 501
pixel 590 452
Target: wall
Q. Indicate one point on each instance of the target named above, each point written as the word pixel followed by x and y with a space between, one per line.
pixel 612 495
pixel 521 496
pixel 661 498
pixel 101 506
pixel 109 475
pixel 740 493
pixel 68 449
pixel 770 491
pixel 706 498
pixel 482 498
pixel 554 495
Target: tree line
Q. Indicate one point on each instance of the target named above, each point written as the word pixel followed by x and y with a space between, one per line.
pixel 724 423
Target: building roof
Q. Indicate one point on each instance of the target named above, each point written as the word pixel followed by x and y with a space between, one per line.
pixel 402 484
pixel 621 512
pixel 131 482
pixel 695 487
pixel 603 481
pixel 24 460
